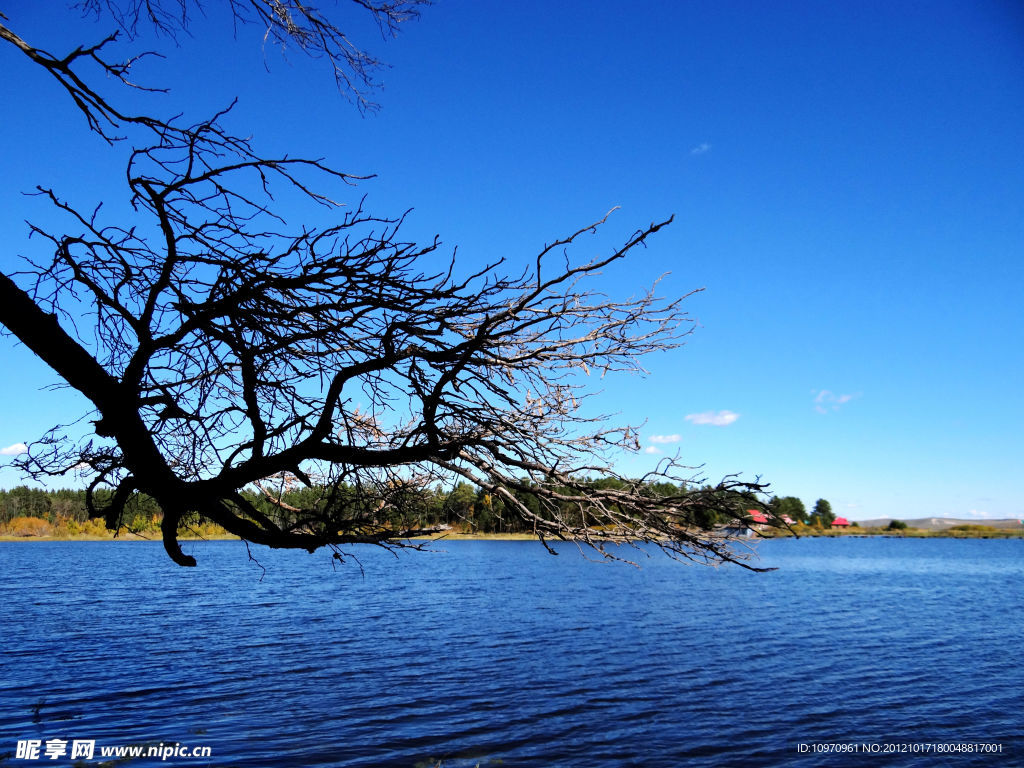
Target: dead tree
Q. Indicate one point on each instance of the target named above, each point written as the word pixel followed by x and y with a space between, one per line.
pixel 220 347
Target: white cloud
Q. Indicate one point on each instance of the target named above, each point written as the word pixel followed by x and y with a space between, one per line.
pixel 701 149
pixel 714 418
pixel 651 450
pixel 663 439
pixel 825 400
pixel 13 450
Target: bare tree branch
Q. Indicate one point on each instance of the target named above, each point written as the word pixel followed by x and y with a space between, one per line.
pixel 229 351
pixel 287 23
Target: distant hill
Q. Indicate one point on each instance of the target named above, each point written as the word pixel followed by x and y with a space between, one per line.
pixel 940 523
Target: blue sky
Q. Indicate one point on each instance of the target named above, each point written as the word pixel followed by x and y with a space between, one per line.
pixel 847 181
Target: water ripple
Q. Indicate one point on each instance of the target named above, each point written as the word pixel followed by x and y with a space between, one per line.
pixel 497 651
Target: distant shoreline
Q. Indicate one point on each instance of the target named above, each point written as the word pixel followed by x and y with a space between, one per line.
pixel 769 535
pixel 997 533
pixel 230 537
pixel 123 537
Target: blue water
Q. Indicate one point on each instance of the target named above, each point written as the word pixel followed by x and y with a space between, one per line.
pixel 497 653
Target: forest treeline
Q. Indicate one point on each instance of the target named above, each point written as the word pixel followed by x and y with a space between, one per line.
pixel 820 516
pixel 461 507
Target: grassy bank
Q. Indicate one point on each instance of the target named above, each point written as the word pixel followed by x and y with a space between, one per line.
pixel 220 534
pixel 35 529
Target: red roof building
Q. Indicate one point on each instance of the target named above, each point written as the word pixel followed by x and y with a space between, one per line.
pixel 756 516
pixel 841 522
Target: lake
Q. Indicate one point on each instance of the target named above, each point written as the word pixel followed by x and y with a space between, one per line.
pixel 497 653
